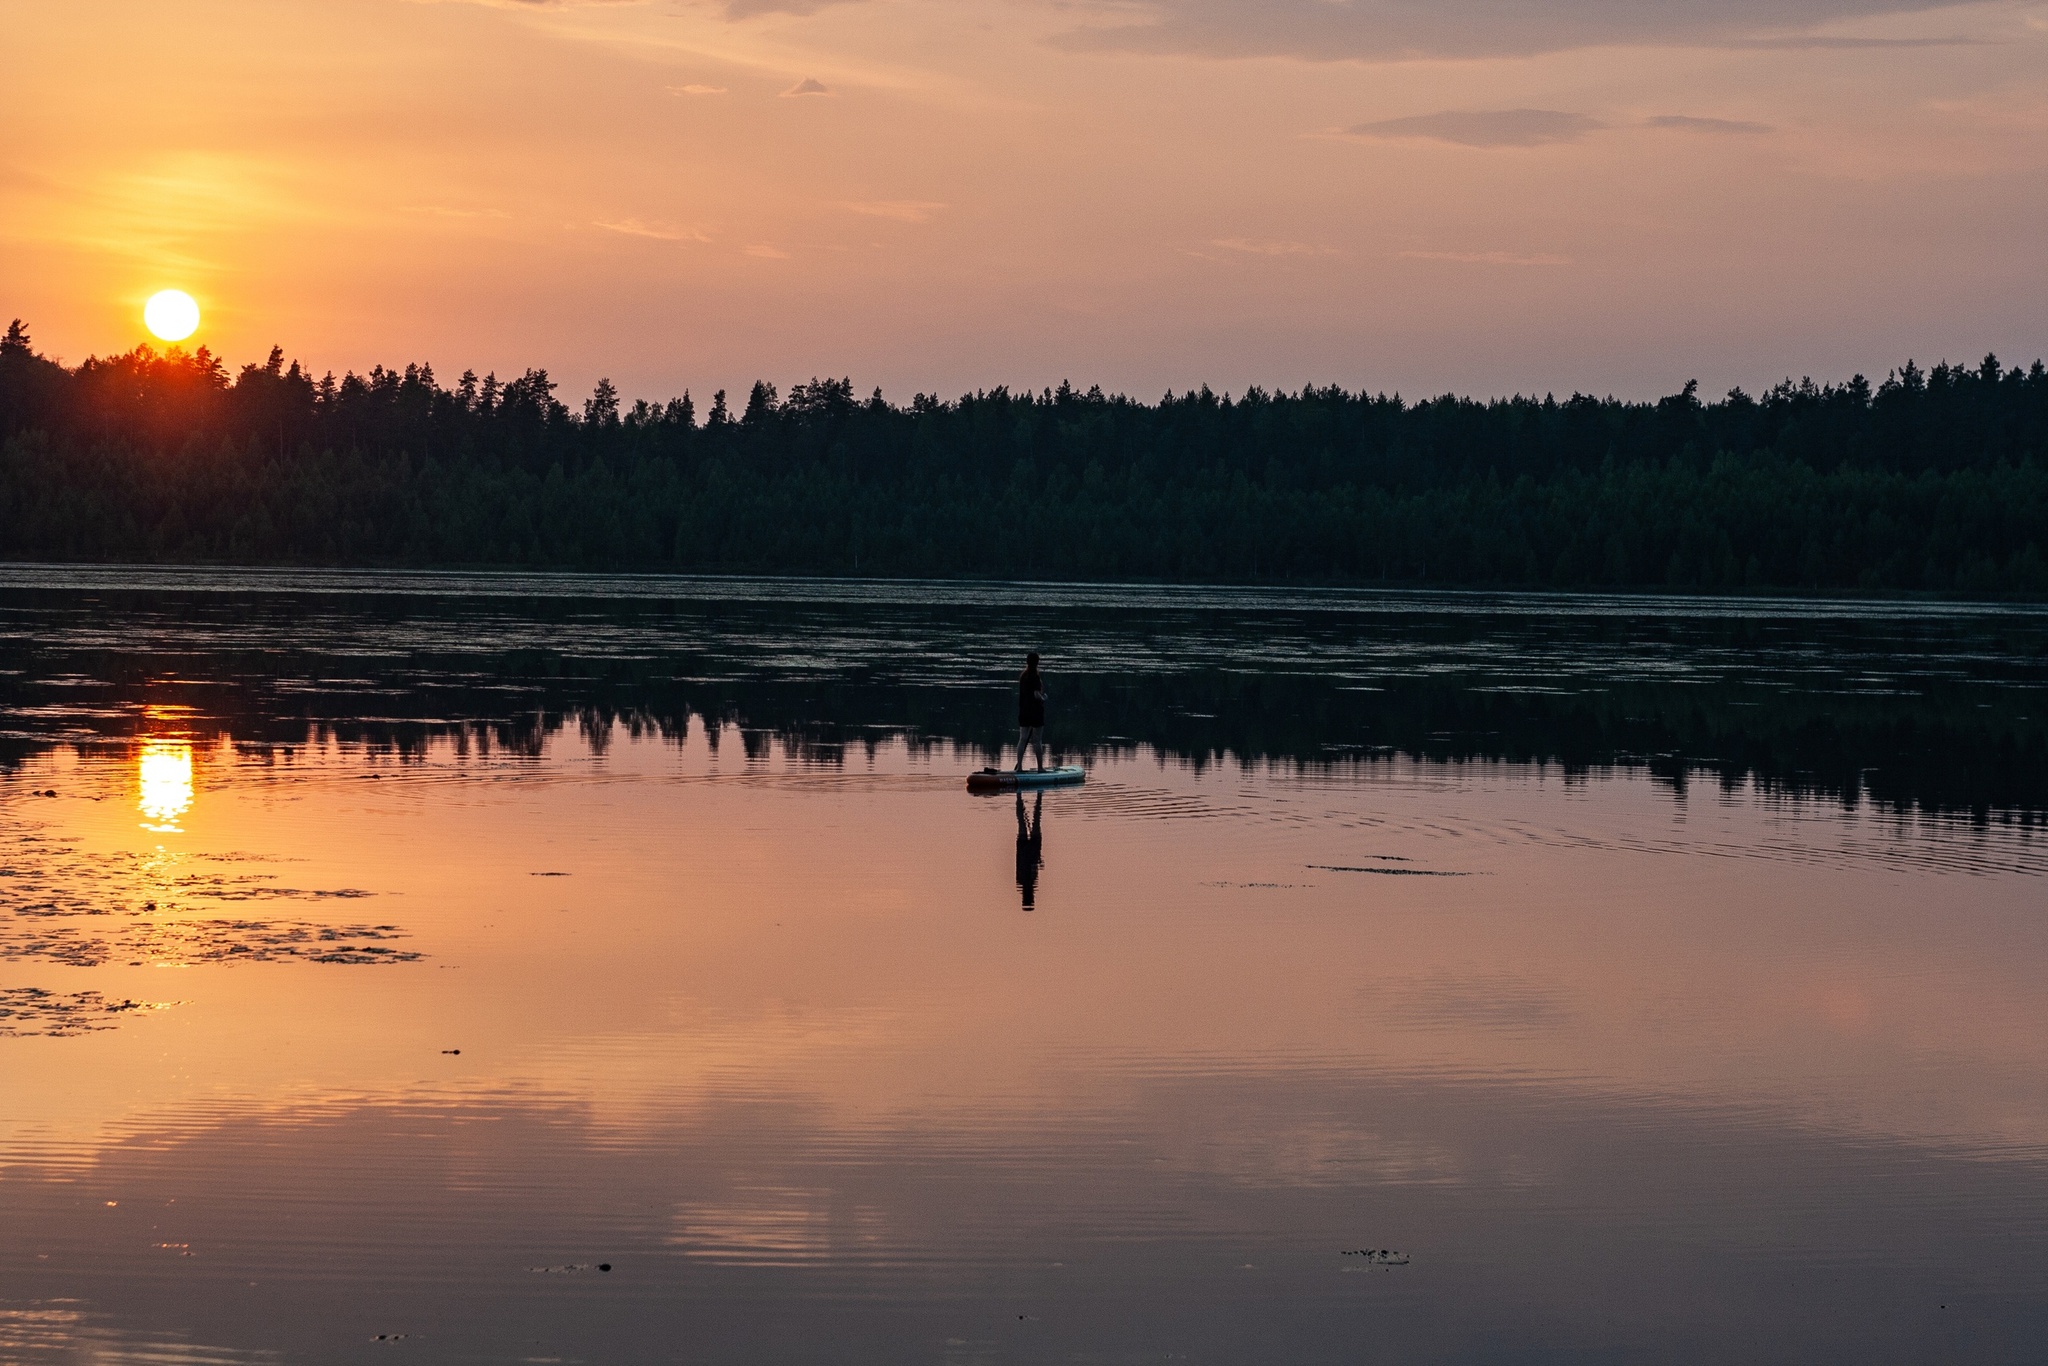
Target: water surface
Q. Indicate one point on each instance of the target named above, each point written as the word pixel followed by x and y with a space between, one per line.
pixel 1417 977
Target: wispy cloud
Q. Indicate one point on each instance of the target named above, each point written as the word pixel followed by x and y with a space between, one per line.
pixel 1261 247
pixel 659 232
pixel 1394 30
pixel 902 210
pixel 1819 42
pixel 730 9
pixel 806 86
pixel 529 4
pixel 747 9
pixel 696 90
pixel 1686 123
pixel 1483 127
pixel 1488 258
pixel 766 252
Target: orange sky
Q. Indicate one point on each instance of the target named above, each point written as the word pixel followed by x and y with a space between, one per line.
pixel 1397 194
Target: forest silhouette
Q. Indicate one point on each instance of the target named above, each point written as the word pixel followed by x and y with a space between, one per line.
pixel 1931 481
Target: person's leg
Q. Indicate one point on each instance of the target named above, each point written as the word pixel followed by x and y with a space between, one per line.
pixel 1023 739
pixel 1038 743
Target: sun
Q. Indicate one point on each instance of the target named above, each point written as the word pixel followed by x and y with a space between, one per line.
pixel 171 315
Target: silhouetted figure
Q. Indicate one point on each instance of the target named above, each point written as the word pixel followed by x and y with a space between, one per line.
pixel 1030 712
pixel 1030 847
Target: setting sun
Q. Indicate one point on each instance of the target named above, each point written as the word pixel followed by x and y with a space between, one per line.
pixel 171 315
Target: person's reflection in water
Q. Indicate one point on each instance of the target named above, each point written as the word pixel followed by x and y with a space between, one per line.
pixel 1030 847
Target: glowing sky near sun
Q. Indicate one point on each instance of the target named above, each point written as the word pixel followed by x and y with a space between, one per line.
pixel 949 194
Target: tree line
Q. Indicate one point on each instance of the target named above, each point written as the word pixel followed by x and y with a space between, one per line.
pixel 1931 481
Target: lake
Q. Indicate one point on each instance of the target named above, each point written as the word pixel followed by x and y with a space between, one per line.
pixel 606 969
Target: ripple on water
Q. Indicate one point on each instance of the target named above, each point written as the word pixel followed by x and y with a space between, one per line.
pixel 1114 801
pixel 36 1332
pixel 62 904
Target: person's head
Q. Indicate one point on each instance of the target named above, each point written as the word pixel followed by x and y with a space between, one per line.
pixel 1031 662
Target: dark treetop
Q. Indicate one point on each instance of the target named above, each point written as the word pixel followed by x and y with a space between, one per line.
pixel 1933 481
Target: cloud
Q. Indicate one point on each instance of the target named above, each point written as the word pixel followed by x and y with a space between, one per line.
pixel 660 232
pixel 1817 42
pixel 748 9
pixel 1487 258
pixel 1688 124
pixel 696 90
pixel 766 252
pixel 730 9
pixel 529 4
pixel 1384 30
pixel 806 86
pixel 1256 247
pixel 902 210
pixel 1484 127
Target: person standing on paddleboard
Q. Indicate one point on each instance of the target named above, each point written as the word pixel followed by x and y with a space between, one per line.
pixel 1030 712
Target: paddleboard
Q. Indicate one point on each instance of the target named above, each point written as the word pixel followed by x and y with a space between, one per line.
pixel 1003 779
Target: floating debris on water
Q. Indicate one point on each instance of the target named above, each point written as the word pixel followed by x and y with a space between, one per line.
pixel 85 910
pixel 32 1012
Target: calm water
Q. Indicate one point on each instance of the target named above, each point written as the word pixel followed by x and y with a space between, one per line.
pixel 1416 978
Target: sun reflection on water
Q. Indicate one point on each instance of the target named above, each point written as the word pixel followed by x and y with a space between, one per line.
pixel 164 773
